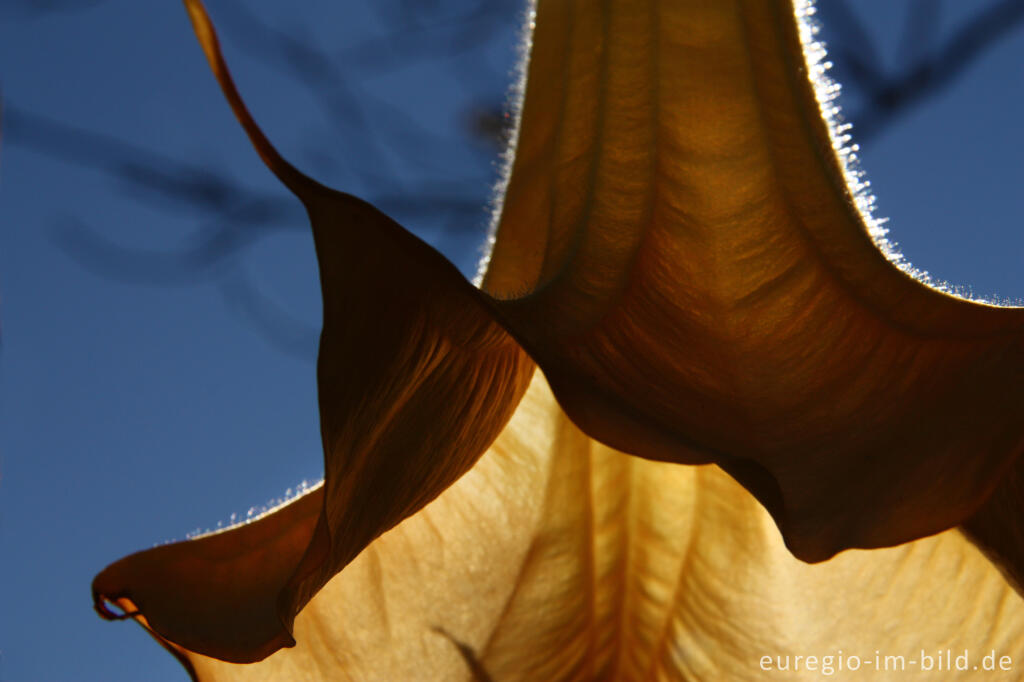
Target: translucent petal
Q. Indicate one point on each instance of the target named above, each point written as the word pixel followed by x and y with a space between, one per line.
pixel 681 252
pixel 625 569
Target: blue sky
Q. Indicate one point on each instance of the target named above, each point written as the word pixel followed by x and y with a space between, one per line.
pixel 140 401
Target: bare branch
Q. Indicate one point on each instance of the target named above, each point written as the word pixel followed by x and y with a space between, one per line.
pixel 889 96
pixel 382 146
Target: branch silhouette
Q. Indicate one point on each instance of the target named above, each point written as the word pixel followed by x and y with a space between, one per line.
pixel 386 155
pixel 926 69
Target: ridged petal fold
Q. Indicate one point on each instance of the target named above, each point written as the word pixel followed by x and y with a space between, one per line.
pixel 680 251
pixel 558 558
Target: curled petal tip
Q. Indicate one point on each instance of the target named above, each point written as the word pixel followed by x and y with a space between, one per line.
pixel 416 378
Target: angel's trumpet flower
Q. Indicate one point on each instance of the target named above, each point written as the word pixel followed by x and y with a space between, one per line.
pixel 684 254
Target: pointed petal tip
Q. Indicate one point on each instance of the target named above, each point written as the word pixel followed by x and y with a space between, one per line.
pixel 299 183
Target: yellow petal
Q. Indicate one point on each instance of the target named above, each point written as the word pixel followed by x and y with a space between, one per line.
pixel 626 569
pixel 680 252
pixel 415 378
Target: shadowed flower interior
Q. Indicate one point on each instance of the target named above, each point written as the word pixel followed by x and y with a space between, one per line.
pixel 679 252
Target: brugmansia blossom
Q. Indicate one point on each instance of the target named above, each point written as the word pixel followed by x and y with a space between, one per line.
pixel 683 252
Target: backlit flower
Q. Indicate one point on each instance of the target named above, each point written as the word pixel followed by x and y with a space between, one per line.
pixel 685 256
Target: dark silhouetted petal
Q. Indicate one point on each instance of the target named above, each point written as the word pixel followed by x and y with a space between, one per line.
pixel 415 378
pixel 684 254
